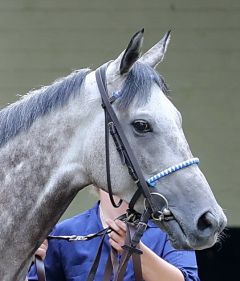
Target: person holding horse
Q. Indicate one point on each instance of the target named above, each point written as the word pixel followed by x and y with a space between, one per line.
pixel 67 261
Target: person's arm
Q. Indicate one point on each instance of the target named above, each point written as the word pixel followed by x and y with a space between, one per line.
pixel 153 266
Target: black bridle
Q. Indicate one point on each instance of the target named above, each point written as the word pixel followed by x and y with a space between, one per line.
pixel 113 126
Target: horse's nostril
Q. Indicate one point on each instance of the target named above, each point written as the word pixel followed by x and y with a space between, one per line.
pixel 206 221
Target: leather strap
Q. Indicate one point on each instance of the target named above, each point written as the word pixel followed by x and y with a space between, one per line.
pixel 111 265
pixel 118 269
pixel 133 236
pixel 136 258
pixel 134 170
pixel 108 162
pixel 129 251
pixel 94 267
pixel 40 268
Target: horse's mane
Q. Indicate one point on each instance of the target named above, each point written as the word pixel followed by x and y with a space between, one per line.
pixel 20 115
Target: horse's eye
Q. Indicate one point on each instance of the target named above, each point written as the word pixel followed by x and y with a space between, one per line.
pixel 141 126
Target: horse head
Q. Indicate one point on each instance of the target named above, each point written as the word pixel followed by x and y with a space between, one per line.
pixel 153 127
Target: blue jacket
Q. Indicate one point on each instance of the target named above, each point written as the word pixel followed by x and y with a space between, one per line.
pixel 71 261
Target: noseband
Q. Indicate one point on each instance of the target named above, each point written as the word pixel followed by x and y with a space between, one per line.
pixel 155 204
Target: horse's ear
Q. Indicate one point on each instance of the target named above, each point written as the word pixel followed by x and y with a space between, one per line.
pixel 156 54
pixel 132 53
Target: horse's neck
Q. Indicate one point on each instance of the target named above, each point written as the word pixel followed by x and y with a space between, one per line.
pixel 32 155
pixel 36 184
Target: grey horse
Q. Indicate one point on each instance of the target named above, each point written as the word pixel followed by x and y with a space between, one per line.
pixel 52 146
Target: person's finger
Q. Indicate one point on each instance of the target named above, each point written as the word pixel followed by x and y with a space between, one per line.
pixel 42 250
pixel 116 227
pixel 121 224
pixel 113 225
pixel 41 253
pixel 117 238
pixel 44 244
pixel 115 245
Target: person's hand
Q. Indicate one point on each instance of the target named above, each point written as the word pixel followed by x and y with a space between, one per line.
pixel 117 236
pixel 42 250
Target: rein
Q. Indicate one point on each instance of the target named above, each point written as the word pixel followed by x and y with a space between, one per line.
pixel 155 204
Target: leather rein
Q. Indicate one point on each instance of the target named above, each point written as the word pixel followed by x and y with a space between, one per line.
pixel 156 205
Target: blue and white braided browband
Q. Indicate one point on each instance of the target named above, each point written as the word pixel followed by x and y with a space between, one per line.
pixel 152 181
